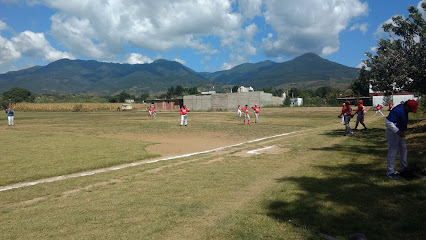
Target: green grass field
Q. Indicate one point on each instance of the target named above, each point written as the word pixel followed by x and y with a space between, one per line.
pixel 313 176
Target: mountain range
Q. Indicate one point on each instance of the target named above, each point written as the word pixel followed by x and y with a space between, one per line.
pixel 100 78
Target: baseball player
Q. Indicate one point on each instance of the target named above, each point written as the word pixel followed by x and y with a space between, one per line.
pixel 238 110
pixel 378 110
pixel 183 115
pixel 343 118
pixel 361 113
pixel 9 111
pixel 347 114
pixel 154 112
pixel 396 125
pixel 246 115
pixel 390 106
pixel 149 111
pixel 256 113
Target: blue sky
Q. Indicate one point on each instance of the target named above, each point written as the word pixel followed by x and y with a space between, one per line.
pixel 210 35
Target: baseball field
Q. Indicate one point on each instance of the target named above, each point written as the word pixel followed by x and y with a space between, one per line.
pixel 123 175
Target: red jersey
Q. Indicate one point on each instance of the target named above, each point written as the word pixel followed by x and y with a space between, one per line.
pixel 184 111
pixel 346 111
pixel 149 109
pixel 246 111
pixel 378 107
pixel 153 109
pixel 361 109
pixel 256 109
pixel 239 107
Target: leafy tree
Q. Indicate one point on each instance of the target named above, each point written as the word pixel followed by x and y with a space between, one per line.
pixel 144 97
pixel 191 91
pixel 179 90
pixel 322 92
pixel 17 94
pixel 400 63
pixel 360 85
pixel 235 88
pixel 294 92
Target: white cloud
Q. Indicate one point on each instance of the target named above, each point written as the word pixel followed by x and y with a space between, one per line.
pixel 180 61
pixel 3 25
pixel 98 29
pixel 8 52
pixel 362 27
pixel 423 12
pixel 250 8
pixel 136 58
pixel 373 49
pixel 29 44
pixel 361 65
pixel 35 45
pixel 308 26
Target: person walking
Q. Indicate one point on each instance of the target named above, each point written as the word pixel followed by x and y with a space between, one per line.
pixel 343 118
pixel 238 110
pixel 183 115
pixel 9 111
pixel 361 113
pixel 378 110
pixel 396 125
pixel 256 113
pixel 246 114
pixel 347 114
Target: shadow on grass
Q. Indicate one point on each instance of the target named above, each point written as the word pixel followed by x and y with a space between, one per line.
pixel 355 197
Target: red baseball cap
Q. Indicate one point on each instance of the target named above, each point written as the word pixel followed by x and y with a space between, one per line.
pixel 413 105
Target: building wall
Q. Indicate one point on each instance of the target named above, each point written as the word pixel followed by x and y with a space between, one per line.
pixel 230 101
pixel 396 99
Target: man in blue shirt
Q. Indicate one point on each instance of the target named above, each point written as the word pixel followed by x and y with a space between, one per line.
pixel 396 125
pixel 9 113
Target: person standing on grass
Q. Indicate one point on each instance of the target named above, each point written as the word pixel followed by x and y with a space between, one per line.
pixel 378 110
pixel 183 115
pixel 396 125
pixel 361 112
pixel 154 112
pixel 256 113
pixel 238 110
pixel 9 111
pixel 347 114
pixel 149 111
pixel 390 106
pixel 246 114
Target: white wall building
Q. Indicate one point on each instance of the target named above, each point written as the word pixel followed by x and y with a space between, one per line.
pixel 395 99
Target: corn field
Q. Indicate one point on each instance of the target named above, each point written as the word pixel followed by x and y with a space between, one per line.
pixel 75 107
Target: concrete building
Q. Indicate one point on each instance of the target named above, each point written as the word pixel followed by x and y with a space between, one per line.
pixel 230 101
pixel 395 99
pixel 166 104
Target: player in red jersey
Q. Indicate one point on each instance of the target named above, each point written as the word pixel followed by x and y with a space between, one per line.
pixel 238 110
pixel 378 110
pixel 360 111
pixel 347 114
pixel 153 111
pixel 149 111
pixel 183 115
pixel 246 115
pixel 390 106
pixel 256 113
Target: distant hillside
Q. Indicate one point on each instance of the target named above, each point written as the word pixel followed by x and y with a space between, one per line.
pixel 306 71
pixel 78 76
